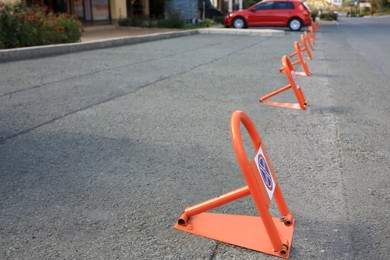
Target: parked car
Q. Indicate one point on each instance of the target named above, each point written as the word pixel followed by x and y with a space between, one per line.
pixel 281 13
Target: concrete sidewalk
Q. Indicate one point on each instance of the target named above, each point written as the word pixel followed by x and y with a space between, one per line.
pixel 104 32
pixel 98 33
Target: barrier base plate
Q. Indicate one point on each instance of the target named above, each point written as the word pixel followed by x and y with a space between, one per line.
pixel 301 73
pixel 244 231
pixel 281 104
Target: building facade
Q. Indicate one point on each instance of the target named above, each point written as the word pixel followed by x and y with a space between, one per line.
pixel 109 11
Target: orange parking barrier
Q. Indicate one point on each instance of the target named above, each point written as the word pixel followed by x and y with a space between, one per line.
pixel 260 233
pixel 288 69
pixel 301 60
pixel 303 47
pixel 308 40
pixel 312 34
pixel 316 25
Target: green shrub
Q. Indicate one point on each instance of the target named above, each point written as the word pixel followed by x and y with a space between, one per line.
pixel 23 26
pixel 200 24
pixel 314 15
pixel 332 16
pixel 207 22
pixel 366 10
pixel 124 22
pixel 172 21
pixel 136 21
pixel 218 20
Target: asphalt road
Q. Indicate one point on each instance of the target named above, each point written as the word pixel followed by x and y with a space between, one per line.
pixel 360 70
pixel 102 150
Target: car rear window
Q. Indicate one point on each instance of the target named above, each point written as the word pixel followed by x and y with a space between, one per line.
pixel 283 5
pixel 306 7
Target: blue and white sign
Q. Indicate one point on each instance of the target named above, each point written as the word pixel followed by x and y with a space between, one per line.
pixel 265 173
pixel 295 79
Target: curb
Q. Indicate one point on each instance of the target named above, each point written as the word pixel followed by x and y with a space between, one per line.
pixel 253 32
pixel 57 49
pixel 49 50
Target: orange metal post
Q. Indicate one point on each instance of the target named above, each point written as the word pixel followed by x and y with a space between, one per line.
pixel 300 60
pixel 213 203
pixel 315 26
pixel 303 47
pixel 263 98
pixel 250 177
pixel 311 34
pixel 262 233
pixel 308 40
pixel 288 69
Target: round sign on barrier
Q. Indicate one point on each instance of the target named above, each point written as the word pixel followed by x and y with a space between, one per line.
pixel 265 173
pixel 295 79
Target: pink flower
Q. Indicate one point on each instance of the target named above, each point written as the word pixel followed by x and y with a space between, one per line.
pixel 1 5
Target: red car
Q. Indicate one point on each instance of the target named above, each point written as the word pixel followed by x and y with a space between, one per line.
pixel 282 13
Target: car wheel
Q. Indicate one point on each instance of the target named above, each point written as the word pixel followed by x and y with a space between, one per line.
pixel 295 24
pixel 239 23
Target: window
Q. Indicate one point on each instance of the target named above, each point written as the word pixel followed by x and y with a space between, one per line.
pixel 265 6
pixel 283 5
